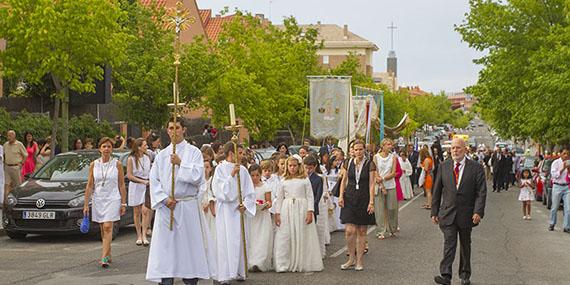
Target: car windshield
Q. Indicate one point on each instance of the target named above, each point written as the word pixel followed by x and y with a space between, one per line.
pixel 68 167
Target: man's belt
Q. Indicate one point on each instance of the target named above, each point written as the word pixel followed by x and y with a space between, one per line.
pixel 561 184
pixel 11 165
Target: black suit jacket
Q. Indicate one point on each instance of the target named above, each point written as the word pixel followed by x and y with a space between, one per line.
pixel 413 158
pixel 457 204
pixel 317 184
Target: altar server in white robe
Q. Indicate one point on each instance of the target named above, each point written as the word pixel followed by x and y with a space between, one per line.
pixel 260 247
pixel 296 241
pixel 208 199
pixel 186 251
pixel 229 236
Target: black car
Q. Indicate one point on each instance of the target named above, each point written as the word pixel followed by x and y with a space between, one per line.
pixel 51 200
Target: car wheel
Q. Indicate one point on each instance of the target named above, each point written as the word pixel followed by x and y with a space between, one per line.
pixel 16 235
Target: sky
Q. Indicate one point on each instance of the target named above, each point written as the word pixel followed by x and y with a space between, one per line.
pixel 430 53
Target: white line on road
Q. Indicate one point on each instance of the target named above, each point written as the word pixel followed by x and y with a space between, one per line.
pixel 372 228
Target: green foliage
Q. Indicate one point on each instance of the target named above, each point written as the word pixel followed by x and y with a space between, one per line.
pixel 84 126
pixel 262 70
pixel 40 125
pixel 524 81
pixel 144 79
pixel 67 39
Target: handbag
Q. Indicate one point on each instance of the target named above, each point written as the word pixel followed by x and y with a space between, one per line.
pixel 422 179
pixel 84 228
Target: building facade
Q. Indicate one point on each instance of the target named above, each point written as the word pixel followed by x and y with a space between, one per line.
pixel 339 43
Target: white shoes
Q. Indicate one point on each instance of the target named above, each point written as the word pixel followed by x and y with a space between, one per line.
pixel 526 217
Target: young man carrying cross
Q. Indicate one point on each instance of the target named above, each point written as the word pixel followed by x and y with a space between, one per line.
pixel 186 251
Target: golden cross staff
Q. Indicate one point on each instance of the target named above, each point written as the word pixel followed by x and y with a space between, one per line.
pixel 180 20
pixel 234 128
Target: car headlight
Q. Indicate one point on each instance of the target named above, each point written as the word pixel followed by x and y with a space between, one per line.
pixel 77 202
pixel 11 200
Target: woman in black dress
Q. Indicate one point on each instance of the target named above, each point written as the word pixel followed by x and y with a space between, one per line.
pixel 357 202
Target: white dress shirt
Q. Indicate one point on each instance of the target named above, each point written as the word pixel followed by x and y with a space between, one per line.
pixel 557 177
pixel 461 168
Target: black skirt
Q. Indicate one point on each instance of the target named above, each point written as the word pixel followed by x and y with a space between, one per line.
pixel 355 209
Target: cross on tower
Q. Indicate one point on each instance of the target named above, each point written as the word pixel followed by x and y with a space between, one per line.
pixel 392 28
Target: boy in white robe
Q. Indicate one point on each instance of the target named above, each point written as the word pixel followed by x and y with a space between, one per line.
pixel 187 250
pixel 228 207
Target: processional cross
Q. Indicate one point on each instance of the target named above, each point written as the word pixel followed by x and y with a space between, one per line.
pixel 180 21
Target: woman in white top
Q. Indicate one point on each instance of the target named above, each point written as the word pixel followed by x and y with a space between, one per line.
pixel 107 184
pixel 260 249
pixel 138 169
pixel 386 202
pixel 405 178
pixel 296 241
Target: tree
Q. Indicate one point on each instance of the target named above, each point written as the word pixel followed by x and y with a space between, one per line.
pixel 524 81
pixel 67 40
pixel 262 70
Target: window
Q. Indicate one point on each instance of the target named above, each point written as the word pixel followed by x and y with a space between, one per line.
pixel 325 59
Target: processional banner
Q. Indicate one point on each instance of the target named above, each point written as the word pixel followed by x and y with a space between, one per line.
pixel 328 101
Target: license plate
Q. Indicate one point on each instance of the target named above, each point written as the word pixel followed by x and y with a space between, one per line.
pixel 37 215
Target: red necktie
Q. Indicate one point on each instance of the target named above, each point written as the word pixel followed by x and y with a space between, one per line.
pixel 456 172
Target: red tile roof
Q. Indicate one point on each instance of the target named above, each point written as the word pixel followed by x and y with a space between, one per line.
pixel 159 3
pixel 205 16
pixel 215 25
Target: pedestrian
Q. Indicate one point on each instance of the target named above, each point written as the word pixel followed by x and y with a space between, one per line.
pixel 405 179
pixel 559 175
pixel 153 142
pixel 32 149
pixel 296 240
pixel 228 210
pixel 458 205
pixel 106 185
pixel 15 155
pixel 208 153
pixel 283 149
pixel 356 200
pixel 270 179
pixel 386 201
pixel 332 173
pixel 304 151
pixel 88 144
pixel 208 199
pixel 260 250
pixel 496 169
pixel 427 167
pixel 413 157
pixel 77 144
pixel 138 170
pixel 2 176
pixel 526 195
pixel 311 165
pixel 185 250
pixel 44 154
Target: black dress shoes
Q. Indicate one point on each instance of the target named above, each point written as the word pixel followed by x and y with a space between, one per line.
pixel 465 282
pixel 442 280
pixel 551 227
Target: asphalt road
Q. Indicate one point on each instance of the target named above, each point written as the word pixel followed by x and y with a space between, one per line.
pixel 506 250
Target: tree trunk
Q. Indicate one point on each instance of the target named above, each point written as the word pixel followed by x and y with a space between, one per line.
pixel 58 89
pixel 292 136
pixel 65 120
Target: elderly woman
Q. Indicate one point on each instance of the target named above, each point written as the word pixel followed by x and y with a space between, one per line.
pixel 106 183
pixel 356 200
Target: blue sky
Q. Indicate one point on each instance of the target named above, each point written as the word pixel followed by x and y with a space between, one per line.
pixel 430 53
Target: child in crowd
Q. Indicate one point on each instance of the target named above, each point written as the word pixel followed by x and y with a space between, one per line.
pixel 526 195
pixel 296 241
pixel 261 229
pixel 208 198
pixel 270 179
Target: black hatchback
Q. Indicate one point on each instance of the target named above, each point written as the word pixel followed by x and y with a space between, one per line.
pixel 51 200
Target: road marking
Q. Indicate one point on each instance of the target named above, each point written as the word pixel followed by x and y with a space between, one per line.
pixel 372 228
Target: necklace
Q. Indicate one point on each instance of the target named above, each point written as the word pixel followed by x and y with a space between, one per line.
pixel 357 171
pixel 106 171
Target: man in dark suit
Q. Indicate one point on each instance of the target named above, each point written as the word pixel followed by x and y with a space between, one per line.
pixel 413 156
pixel 497 170
pixel 458 205
pixel 311 164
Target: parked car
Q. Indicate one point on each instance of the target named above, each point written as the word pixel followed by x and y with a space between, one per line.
pixel 263 153
pixel 51 200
